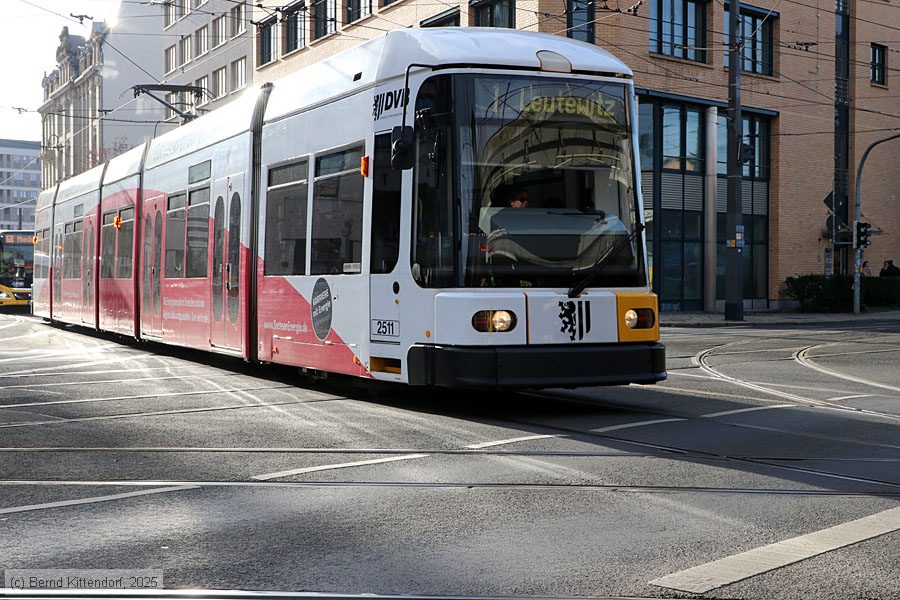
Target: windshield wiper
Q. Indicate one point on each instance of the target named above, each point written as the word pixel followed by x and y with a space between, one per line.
pixel 601 263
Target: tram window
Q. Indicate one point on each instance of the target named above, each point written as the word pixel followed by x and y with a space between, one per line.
pixel 108 245
pixel 77 238
pixel 175 226
pixel 337 214
pixel 126 244
pixel 385 208
pixel 198 233
pixel 286 219
pixel 67 250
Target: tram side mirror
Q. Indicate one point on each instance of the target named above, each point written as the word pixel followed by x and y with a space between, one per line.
pixel 402 139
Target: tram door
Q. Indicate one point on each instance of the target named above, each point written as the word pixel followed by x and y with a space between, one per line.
pixel 384 303
pixel 89 260
pixel 227 263
pixel 151 301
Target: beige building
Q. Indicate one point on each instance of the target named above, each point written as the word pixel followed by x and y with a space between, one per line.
pixel 208 44
pixel 677 51
pixel 89 113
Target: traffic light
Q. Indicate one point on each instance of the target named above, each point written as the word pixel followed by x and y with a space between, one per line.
pixel 862 234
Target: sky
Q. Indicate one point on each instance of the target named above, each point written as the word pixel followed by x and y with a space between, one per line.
pixel 30 33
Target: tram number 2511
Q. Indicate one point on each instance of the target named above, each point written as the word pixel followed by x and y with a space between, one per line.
pixel 385 328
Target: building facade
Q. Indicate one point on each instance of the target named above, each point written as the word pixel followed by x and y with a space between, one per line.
pixel 209 44
pixel 89 112
pixel 20 182
pixel 801 144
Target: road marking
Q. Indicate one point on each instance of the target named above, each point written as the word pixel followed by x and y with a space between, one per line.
pixel 745 410
pixel 701 579
pixel 20 405
pixel 849 397
pixel 15 321
pixel 638 424
pixel 695 375
pixel 513 440
pixel 95 499
pixel 66 353
pixel 359 463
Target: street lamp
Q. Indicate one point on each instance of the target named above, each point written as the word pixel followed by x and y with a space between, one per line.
pixel 857 258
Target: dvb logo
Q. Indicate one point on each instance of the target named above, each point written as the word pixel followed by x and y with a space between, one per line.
pixel 387 101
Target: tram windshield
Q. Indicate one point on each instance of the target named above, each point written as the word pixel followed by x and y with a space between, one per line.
pixel 523 181
pixel 16 259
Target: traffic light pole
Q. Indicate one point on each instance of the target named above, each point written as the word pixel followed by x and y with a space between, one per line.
pixel 734 279
pixel 857 258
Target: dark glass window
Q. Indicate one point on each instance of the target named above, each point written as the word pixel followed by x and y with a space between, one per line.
pixel 678 28
pixel 495 13
pixel 337 214
pixel 755 39
pixel 175 226
pixel 879 64
pixel 357 9
pixel 197 233
pixel 324 16
pixel 267 46
pixel 646 139
pixel 108 245
pixel 294 27
pixel 125 251
pixel 682 138
pixel 755 202
pixel 756 140
pixel 286 220
pixel 385 208
pixel 580 22
pixel 448 18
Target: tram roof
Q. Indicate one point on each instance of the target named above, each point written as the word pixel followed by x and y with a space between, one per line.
pixel 81 184
pixel 387 57
pixel 124 165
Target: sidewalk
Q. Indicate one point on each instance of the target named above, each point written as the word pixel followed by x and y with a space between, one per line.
pixel 774 319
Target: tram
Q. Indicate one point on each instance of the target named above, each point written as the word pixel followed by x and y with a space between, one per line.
pixel 16 267
pixel 449 207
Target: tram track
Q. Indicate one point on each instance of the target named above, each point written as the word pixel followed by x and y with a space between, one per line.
pixel 398 451
pixel 650 450
pixel 662 451
pixel 702 360
pixel 603 487
pixel 803 357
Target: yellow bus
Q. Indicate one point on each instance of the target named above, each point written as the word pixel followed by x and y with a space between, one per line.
pixel 16 267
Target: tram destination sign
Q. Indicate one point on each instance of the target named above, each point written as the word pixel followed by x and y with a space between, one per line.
pixel 599 102
pixel 16 238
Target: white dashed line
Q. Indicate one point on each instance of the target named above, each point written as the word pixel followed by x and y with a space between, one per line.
pixel 836 398
pixel 701 579
pixel 512 441
pixel 94 499
pixel 745 410
pixel 631 425
pixel 359 463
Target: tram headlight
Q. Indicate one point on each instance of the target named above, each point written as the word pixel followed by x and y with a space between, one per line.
pixel 641 318
pixel 630 318
pixel 502 320
pixel 489 321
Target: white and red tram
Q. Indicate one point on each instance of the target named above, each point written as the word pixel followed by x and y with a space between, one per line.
pixel 454 207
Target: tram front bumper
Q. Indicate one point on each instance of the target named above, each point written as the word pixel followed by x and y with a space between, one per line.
pixel 536 366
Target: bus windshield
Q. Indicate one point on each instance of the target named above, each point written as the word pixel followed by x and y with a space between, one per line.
pixel 523 181
pixel 16 259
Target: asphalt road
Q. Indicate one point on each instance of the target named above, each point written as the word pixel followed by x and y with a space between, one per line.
pixel 136 456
